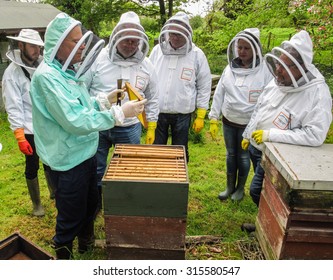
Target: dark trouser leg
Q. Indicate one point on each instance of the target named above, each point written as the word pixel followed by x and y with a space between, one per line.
pixel 162 129
pixel 179 131
pixel 258 178
pixel 76 200
pixel 31 175
pixel 104 146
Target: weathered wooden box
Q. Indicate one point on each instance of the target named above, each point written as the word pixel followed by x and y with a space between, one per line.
pixel 295 216
pixel 145 195
pixel 17 247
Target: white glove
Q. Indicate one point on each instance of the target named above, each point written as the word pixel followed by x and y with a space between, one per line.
pixel 113 96
pixel 133 108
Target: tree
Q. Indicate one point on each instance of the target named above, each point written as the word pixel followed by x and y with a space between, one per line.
pixel 96 15
pixel 315 16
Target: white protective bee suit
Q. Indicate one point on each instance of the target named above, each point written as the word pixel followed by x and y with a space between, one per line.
pixel 238 89
pixel 184 82
pixel 16 85
pixel 234 98
pixel 184 74
pixel 137 70
pixel 109 67
pixel 15 90
pixel 298 113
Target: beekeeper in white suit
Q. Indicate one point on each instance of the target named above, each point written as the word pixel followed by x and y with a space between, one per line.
pixel 184 82
pixel 25 56
pixel 236 94
pixel 295 107
pixel 125 59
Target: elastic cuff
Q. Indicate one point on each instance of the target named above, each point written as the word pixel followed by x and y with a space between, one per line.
pixel 201 113
pixel 118 114
pixel 152 125
pixel 19 135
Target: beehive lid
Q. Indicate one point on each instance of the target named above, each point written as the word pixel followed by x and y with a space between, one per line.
pixel 156 163
pixel 304 168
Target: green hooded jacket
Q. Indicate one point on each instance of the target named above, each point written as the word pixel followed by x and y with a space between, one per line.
pixel 66 120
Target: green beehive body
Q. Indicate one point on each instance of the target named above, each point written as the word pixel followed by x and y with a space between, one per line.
pixel 145 195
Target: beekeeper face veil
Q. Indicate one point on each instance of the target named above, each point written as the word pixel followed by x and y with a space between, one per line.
pixel 128 43
pixel 72 45
pixel 291 63
pixel 176 35
pixel 25 49
pixel 244 51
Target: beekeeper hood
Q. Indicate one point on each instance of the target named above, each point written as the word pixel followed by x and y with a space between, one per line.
pixel 56 33
pixel 178 25
pixel 299 51
pixel 29 36
pixel 128 28
pixel 252 37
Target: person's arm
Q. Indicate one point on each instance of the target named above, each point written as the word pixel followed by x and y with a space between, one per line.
pixel 152 106
pixel 203 88
pixel 218 99
pixel 203 81
pixel 216 108
pixel 13 100
pixel 151 94
pixel 12 97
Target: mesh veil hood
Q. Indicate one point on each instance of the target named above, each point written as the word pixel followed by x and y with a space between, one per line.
pixel 303 44
pixel 56 32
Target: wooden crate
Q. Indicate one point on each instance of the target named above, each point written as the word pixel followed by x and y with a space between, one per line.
pixel 145 195
pixel 295 216
pixel 133 231
pixel 132 253
pixel 17 247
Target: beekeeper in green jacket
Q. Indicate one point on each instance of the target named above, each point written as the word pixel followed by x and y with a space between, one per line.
pixel 66 122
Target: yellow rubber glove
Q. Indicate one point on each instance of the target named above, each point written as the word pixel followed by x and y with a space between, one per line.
pixel 199 122
pixel 213 128
pixel 260 136
pixel 150 137
pixel 245 144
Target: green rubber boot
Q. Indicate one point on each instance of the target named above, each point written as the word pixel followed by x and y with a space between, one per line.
pixel 33 187
pixel 231 181
pixel 239 193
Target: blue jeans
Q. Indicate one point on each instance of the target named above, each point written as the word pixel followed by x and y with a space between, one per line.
pixel 179 124
pixel 76 201
pixel 259 173
pixel 238 160
pixel 108 138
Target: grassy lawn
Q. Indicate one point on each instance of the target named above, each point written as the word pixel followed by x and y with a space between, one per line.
pixel 206 214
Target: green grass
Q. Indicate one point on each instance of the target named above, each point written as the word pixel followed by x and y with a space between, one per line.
pixel 206 214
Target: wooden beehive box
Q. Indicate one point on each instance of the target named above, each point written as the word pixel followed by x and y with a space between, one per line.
pixel 295 216
pixel 17 247
pixel 145 195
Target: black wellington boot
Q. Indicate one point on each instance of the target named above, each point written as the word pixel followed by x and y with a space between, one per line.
pixel 64 251
pixel 231 181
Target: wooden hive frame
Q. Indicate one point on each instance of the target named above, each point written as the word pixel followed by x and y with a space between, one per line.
pixel 147 163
